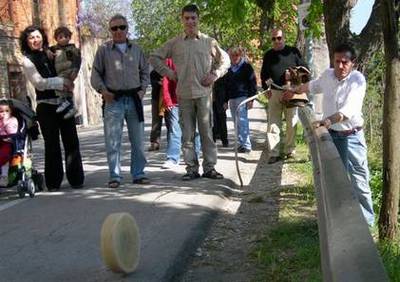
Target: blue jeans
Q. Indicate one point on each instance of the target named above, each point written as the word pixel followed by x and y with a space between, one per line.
pixel 114 116
pixel 174 135
pixel 353 152
pixel 243 124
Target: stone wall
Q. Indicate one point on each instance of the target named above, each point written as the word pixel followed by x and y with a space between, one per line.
pixel 90 107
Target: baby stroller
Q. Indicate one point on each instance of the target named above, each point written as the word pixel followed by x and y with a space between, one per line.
pixel 22 172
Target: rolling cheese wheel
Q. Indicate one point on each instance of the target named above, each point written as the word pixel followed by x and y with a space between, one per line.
pixel 120 242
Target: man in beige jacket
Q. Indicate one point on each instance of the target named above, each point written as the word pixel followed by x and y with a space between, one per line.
pixel 199 62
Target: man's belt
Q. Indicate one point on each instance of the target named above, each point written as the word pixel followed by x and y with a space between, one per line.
pixel 130 93
pixel 346 132
pixel 124 92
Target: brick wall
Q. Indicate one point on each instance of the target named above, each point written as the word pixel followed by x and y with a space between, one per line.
pixel 21 15
pixel 52 13
pixel 15 15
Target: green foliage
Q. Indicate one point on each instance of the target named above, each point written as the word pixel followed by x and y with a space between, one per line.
pixel 373 104
pixel 290 252
pixel 156 21
pixel 390 253
pixel 373 111
pixel 230 22
pixel 376 186
pixel 315 19
pixel 284 15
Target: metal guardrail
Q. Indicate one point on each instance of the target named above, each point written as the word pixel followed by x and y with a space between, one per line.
pixel 236 122
pixel 348 252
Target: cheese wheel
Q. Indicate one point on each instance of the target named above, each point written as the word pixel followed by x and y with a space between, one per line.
pixel 120 242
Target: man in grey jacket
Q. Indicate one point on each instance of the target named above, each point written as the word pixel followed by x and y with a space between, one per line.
pixel 121 74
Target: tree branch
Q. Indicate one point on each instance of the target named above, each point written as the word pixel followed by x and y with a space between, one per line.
pixel 371 33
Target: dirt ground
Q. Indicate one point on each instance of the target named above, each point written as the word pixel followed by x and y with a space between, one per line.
pixel 227 253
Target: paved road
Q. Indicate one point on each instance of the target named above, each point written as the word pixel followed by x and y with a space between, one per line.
pixel 55 236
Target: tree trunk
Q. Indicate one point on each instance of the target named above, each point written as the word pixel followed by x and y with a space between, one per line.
pixel 388 225
pixel 337 22
pixel 371 33
pixel 337 28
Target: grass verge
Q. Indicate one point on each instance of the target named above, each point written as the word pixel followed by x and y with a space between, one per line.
pixel 290 250
pixel 390 253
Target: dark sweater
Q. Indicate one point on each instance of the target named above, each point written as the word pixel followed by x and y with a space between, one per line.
pixel 46 69
pixel 241 83
pixel 276 62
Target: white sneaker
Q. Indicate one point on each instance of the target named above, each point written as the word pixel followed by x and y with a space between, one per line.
pixel 63 106
pixel 3 181
pixel 71 113
pixel 169 164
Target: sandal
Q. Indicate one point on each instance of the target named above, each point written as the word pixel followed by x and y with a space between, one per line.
pixel 113 184
pixel 213 174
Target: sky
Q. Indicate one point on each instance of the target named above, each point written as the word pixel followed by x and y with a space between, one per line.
pixel 360 15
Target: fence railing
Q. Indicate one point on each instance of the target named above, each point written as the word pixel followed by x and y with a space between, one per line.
pixel 348 252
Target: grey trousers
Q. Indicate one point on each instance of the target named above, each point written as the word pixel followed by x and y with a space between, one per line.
pixel 198 112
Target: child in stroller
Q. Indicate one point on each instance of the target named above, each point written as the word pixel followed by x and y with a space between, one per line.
pixel 22 130
pixel 8 129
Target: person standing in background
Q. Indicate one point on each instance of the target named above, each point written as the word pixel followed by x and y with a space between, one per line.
pixel 174 132
pixel 240 84
pixel 40 71
pixel 121 74
pixel 157 110
pixel 219 112
pixel 276 62
pixel 199 62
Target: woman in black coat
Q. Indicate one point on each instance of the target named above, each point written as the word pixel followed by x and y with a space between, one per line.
pixel 40 71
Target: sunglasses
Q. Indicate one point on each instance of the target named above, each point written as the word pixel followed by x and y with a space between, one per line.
pixel 120 27
pixel 279 38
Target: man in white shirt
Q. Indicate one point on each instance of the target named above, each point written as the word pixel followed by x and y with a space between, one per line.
pixel 344 90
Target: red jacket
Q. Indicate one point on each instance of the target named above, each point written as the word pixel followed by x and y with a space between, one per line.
pixel 169 88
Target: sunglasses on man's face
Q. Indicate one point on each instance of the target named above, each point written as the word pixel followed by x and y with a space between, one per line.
pixel 279 38
pixel 116 27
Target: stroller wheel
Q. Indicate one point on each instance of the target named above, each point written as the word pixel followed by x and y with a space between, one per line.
pixel 31 188
pixel 21 189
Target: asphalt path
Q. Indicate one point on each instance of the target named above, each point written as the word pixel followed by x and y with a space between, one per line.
pixel 56 235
